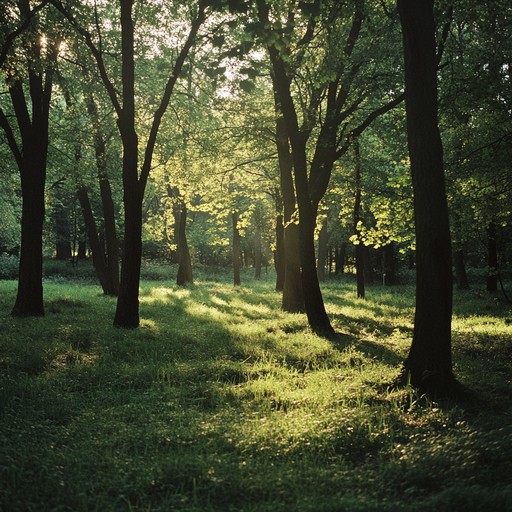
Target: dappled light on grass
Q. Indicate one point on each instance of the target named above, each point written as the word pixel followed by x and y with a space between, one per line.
pixel 222 401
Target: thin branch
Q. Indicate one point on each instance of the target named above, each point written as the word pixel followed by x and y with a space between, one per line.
pixel 11 139
pixel 360 129
pixel 98 56
pixel 9 40
pixel 148 155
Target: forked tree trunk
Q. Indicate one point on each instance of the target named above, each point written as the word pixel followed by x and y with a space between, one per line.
pixel 429 363
pixel 31 160
pixel 293 296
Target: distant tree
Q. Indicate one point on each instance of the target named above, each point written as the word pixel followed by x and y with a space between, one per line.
pixel 429 363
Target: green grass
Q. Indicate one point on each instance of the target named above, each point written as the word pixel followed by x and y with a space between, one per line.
pixel 221 402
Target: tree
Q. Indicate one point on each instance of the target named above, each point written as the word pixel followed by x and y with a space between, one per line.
pixel 29 80
pixel 124 103
pixel 336 81
pixel 429 363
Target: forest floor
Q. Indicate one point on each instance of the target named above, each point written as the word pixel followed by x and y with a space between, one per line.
pixel 222 402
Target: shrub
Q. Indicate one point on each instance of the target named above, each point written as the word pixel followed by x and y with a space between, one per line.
pixel 9 266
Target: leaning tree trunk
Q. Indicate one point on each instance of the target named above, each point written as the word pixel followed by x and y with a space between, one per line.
pixel 429 363
pixel 184 275
pixel 98 255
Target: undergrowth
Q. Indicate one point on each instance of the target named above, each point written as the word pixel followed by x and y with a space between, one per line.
pixel 222 402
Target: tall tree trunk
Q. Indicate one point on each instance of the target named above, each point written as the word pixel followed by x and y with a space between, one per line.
pixel 184 275
pixel 29 298
pixel 429 363
pixel 313 300
pixel 236 249
pixel 31 159
pixel 98 254
pixel 323 239
pixel 293 296
pixel 279 254
pixel 127 309
pixel 492 259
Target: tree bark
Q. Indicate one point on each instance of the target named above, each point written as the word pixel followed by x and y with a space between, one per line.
pixel 29 298
pixel 279 255
pixel 323 239
pixel 429 363
pixel 31 159
pixel 293 296
pixel 313 300
pixel 98 255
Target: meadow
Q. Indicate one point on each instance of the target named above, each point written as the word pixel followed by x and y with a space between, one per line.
pixel 222 402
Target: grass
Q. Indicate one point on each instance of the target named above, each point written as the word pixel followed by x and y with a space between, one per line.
pixel 222 402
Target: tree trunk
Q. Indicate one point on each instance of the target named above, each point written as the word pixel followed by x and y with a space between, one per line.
pixel 461 277
pixel 429 363
pixel 29 298
pixel 323 239
pixel 236 249
pixel 492 259
pixel 98 255
pixel 111 242
pixel 127 309
pixel 184 276
pixel 293 296
pixel 313 300
pixel 32 118
pixel 279 255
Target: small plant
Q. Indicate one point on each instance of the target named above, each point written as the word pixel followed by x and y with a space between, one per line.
pixel 9 266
